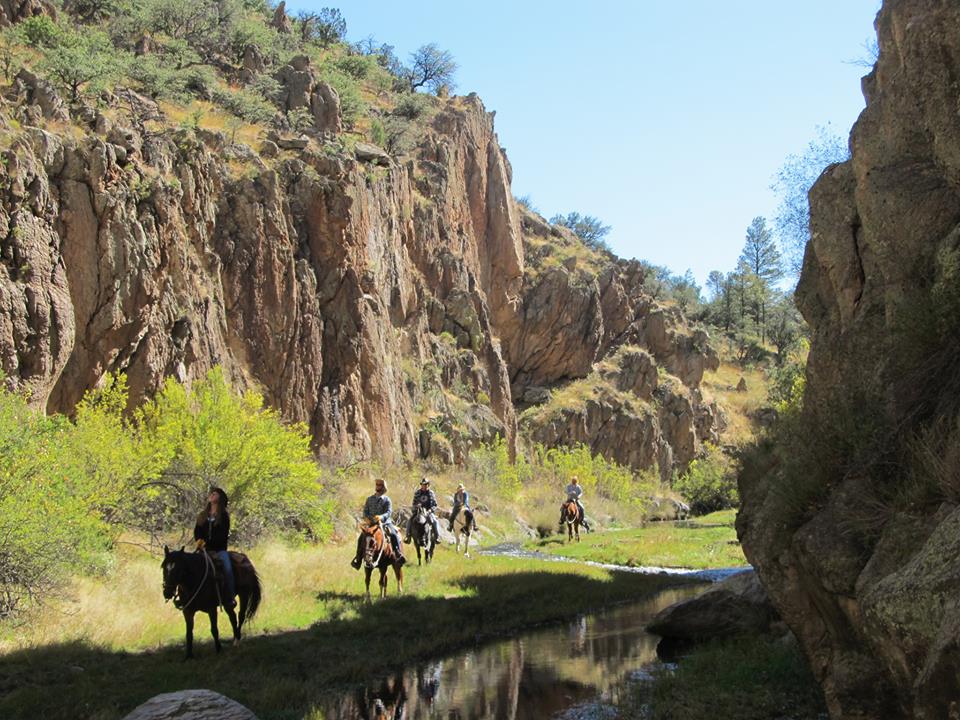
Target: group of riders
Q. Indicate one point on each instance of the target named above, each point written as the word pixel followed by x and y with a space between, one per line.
pixel 378 508
pixel 212 529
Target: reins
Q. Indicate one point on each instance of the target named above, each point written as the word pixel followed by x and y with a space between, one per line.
pixel 206 569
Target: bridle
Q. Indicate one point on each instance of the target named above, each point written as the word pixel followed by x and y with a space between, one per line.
pixel 177 601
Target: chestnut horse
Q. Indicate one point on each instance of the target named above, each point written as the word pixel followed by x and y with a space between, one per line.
pixel 189 580
pixel 573 518
pixel 378 553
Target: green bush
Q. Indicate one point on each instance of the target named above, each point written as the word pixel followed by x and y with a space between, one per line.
pixel 40 31
pixel 710 482
pixel 46 528
pixel 378 136
pixel 209 435
pixel 246 105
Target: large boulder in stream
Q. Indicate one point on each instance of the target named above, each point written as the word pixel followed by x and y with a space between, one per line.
pixel 736 606
pixel 191 705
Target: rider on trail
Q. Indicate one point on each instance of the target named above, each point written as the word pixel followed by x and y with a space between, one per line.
pixel 425 498
pixel 211 534
pixel 378 507
pixel 461 499
pixel 574 492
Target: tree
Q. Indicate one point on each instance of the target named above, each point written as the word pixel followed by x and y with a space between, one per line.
pixel 431 68
pixel 82 63
pixel 325 26
pixel 785 326
pixel 760 252
pixel 587 228
pixel 793 182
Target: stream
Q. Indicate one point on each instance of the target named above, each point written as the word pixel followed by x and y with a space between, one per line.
pixel 572 671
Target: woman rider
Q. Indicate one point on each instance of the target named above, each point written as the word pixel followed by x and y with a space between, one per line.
pixel 211 534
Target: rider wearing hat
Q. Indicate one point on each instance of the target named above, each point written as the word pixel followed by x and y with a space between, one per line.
pixel 574 493
pixel 211 534
pixel 378 508
pixel 428 501
pixel 461 500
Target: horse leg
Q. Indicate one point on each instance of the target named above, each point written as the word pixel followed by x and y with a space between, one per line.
pixel 416 544
pixel 576 529
pixel 368 572
pixel 214 630
pixel 383 582
pixel 244 601
pixel 232 615
pixel 188 619
pixel 398 571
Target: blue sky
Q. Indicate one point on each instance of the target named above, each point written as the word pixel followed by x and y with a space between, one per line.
pixel 665 119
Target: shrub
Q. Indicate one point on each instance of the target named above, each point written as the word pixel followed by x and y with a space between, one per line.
pixel 378 135
pixel 491 464
pixel 246 105
pixel 411 107
pixel 209 435
pixel 710 482
pixel 46 527
pixel 40 31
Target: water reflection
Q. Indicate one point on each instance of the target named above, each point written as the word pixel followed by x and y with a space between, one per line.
pixel 536 675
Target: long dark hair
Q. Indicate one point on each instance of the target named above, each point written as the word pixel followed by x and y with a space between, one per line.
pixel 204 515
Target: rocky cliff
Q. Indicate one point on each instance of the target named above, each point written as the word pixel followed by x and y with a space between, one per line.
pixel 855 530
pixel 382 299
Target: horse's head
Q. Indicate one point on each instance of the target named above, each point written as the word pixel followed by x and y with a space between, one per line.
pixel 173 567
pixel 570 510
pixel 420 515
pixel 372 544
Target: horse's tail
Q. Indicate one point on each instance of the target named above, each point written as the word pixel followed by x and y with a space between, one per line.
pixel 256 594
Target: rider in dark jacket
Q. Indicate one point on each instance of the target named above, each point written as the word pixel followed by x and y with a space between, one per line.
pixel 211 534
pixel 425 498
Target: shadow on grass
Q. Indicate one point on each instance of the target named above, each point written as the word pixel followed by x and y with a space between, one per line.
pixel 283 675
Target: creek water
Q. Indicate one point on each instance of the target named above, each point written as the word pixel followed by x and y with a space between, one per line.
pixel 571 670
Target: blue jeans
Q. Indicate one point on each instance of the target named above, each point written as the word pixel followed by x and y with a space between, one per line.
pixel 228 571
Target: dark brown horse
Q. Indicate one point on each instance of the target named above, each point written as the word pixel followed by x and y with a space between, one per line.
pixel 378 553
pixel 189 580
pixel 573 518
pixel 422 533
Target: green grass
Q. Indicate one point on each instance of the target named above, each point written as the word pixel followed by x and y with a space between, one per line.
pixel 120 644
pixel 709 541
pixel 750 678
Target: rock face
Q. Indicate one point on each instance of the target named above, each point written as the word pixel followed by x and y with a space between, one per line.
pixel 597 338
pixel 324 288
pixel 191 705
pixel 868 582
pixel 366 295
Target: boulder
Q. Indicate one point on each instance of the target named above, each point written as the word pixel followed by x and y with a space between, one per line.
pixel 39 92
pixel 191 705
pixel 742 385
pixel 281 23
pixel 367 152
pixel 736 606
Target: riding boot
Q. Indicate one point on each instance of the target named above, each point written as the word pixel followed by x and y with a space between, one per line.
pixel 397 549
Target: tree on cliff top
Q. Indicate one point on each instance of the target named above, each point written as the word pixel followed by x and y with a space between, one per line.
pixel 431 68
pixel 793 182
pixel 588 228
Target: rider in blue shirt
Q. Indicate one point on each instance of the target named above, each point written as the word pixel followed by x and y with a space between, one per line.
pixel 461 499
pixel 425 498
pixel 379 507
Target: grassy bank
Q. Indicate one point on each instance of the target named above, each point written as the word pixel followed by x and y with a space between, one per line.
pixel 116 643
pixel 752 678
pixel 705 542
